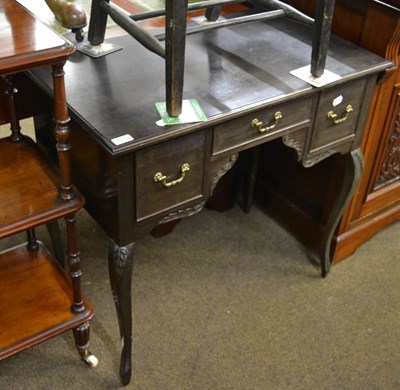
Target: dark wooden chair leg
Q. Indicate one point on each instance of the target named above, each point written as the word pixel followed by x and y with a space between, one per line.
pixel 175 42
pixel 322 27
pixel 120 262
pixel 352 174
pixel 97 24
pixel 212 14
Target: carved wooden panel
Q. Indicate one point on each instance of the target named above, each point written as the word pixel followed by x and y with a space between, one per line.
pixel 390 168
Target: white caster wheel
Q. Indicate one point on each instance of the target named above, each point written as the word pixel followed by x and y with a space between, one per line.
pixel 90 360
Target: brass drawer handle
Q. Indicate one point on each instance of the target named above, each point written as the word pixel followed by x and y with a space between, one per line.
pixel 332 116
pixel 163 179
pixel 258 124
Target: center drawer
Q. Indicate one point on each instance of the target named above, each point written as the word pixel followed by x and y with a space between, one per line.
pixel 270 122
pixel 169 175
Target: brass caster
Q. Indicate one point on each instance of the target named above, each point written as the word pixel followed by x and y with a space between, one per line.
pixel 90 360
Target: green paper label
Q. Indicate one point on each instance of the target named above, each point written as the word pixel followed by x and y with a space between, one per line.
pixel 191 112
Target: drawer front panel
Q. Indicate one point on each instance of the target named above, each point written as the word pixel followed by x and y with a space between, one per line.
pixel 174 185
pixel 271 122
pixel 337 114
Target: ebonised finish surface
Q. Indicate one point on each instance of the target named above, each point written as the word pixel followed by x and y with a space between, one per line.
pixel 237 74
pixel 228 71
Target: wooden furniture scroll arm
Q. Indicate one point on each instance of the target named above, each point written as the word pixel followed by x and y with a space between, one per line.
pixel 70 15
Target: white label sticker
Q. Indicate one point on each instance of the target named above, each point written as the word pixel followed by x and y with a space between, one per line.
pixel 122 139
pixel 337 101
pixel 304 74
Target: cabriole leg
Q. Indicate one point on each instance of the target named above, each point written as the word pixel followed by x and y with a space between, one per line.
pixel 120 261
pixel 352 175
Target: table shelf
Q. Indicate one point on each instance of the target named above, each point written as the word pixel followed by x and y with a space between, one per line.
pixel 36 298
pixel 29 194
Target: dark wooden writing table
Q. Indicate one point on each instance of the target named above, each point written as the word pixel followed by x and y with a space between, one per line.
pixel 237 74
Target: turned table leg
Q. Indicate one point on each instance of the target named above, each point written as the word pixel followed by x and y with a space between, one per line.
pixel 352 175
pixel 120 262
pixel 81 335
pixel 55 236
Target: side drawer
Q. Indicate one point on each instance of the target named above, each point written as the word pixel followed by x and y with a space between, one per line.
pixel 174 185
pixel 268 123
pixel 337 114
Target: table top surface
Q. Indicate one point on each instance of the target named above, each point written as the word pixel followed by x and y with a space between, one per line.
pixel 26 42
pixel 229 71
